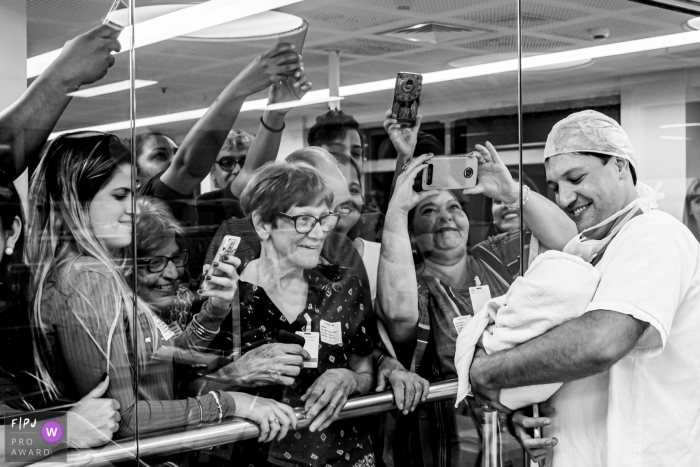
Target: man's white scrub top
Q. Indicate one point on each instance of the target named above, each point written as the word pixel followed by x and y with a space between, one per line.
pixel 645 410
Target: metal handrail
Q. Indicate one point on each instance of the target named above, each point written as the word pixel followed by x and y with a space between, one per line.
pixel 236 429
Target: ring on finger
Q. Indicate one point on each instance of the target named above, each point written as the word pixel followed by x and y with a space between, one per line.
pixel 275 420
pixel 332 405
pixel 404 168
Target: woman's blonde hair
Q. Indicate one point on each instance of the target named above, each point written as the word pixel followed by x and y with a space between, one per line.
pixel 73 169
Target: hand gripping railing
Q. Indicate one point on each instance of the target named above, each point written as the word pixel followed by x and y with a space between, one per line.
pixel 214 434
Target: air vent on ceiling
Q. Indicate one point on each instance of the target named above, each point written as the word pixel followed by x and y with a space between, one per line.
pixel 433 33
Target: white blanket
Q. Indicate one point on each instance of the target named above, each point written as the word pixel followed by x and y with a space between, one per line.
pixel 556 288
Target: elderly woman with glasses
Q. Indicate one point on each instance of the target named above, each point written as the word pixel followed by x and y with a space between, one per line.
pixel 288 291
pixel 161 263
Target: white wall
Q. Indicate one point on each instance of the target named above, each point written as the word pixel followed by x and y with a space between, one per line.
pixel 647 103
pixel 13 60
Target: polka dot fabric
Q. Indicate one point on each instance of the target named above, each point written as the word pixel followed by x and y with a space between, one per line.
pixel 335 295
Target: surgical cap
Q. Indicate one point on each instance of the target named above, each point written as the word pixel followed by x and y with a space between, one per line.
pixel 589 131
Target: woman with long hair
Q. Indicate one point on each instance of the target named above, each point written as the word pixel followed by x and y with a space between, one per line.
pixel 93 420
pixel 79 237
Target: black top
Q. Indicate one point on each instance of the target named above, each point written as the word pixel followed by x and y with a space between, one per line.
pixel 216 206
pixel 335 295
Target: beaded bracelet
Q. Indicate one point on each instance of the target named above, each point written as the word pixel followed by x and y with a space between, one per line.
pixel 516 204
pixel 270 128
pixel 218 404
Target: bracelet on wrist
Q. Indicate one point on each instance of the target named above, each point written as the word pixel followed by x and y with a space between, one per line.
pixel 517 204
pixel 201 331
pixel 201 411
pixel 272 129
pixel 218 404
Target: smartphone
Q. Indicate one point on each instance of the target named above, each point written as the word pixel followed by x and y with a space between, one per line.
pixel 108 20
pixel 406 98
pixel 450 173
pixel 286 337
pixel 228 246
pixel 295 37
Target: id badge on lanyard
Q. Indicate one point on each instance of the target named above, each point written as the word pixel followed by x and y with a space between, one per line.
pixel 311 343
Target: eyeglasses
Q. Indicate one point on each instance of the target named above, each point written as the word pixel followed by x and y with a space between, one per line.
pixel 228 163
pixel 305 223
pixel 158 263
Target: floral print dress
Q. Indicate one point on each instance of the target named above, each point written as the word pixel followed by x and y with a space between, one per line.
pixel 335 296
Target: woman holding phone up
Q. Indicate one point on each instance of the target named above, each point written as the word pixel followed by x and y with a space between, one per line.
pixel 417 308
pixel 79 235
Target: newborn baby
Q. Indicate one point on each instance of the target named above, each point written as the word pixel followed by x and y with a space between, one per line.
pixel 556 288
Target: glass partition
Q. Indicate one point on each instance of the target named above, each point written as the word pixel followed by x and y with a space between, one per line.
pixel 615 93
pixel 315 225
pixel 66 232
pixel 231 98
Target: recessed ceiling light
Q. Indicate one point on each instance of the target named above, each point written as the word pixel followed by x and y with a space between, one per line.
pixel 481 59
pixel 112 87
pixel 692 24
pixel 267 23
pixel 433 33
pixel 178 23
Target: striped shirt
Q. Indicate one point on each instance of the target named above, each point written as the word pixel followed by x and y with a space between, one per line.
pixel 77 311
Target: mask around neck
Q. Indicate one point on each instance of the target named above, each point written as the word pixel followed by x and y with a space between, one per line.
pixel 589 248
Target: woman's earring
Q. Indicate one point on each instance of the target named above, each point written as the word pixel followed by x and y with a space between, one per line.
pixel 414 248
pixel 8 251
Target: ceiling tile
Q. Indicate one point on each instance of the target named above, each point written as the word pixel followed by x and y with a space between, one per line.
pixel 533 15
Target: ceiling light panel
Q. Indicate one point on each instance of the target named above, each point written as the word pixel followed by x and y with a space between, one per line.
pixel 177 23
pixel 112 87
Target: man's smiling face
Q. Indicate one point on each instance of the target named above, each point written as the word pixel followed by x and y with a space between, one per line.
pixel 587 189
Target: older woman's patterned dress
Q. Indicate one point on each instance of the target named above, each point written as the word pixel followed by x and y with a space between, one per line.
pixel 335 295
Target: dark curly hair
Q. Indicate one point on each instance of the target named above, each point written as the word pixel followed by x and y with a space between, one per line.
pixel 331 127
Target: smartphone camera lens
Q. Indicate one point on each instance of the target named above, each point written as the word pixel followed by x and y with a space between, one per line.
pixel 468 172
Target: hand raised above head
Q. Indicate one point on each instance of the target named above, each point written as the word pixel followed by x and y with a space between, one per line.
pixel 402 137
pixel 495 181
pixel 289 90
pixel 87 57
pixel 277 64
pixel 404 198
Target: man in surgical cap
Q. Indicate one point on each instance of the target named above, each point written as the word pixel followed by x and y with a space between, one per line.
pixel 631 363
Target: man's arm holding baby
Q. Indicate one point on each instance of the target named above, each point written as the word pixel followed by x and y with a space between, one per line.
pixel 576 349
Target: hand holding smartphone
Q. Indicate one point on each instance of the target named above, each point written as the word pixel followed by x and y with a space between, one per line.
pixel 407 93
pixel 228 247
pixel 450 173
pixel 295 37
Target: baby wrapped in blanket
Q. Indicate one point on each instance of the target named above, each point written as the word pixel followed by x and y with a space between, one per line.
pixel 556 288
